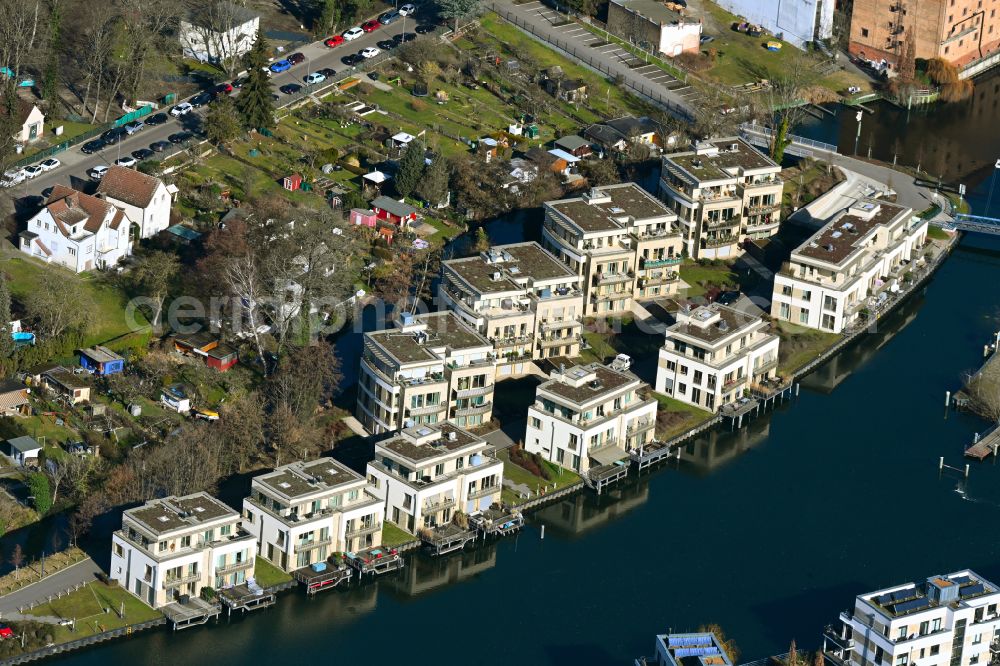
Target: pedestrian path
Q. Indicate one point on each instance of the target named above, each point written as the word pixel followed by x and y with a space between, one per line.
pixel 84 571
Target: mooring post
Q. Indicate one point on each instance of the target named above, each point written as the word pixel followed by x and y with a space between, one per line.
pixel 947 398
pixel 966 470
pixel 543 531
pixel 975 440
pixel 797 390
pixel 941 463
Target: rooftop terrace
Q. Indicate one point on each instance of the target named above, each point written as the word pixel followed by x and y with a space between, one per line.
pixel 607 208
pixel 839 239
pixel 302 479
pixel 718 160
pixel 516 264
pixel 168 514
pixel 713 322
pixel 428 441
pixel 955 588
pixel 570 386
pixel 439 329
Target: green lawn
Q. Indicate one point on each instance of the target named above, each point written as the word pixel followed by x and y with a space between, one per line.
pixel 267 575
pixel 743 59
pixel 674 417
pixel 392 535
pixel 700 277
pixel 518 475
pixel 87 605
pixel 109 304
pixel 800 345
pixel 937 233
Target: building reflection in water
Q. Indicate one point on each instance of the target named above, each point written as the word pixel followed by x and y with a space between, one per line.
pixel 585 511
pixel 424 573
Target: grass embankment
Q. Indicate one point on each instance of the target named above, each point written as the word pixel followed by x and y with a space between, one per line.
pixel 393 535
pixel 267 575
pixel 937 233
pixel 702 277
pixel 800 345
pixel 31 572
pixel 674 417
pixel 96 608
pixel 535 484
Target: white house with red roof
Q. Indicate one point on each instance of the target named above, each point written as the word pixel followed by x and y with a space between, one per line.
pixel 78 231
pixel 145 199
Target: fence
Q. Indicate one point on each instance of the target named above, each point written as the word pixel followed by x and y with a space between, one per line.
pixel 649 92
pixel 134 115
pixel 82 642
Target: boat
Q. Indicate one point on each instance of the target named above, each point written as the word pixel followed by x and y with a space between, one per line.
pixel 773 46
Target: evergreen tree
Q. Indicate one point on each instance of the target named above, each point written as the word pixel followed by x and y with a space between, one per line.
pixel 457 9
pixel 50 78
pixel 434 186
pixel 8 123
pixel 411 169
pixel 223 122
pixel 329 16
pixel 6 342
pixel 255 104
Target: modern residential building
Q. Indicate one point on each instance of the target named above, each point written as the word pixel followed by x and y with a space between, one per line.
pixel 695 649
pixel 590 415
pixel 654 27
pixel 959 31
pixel 78 231
pixel 303 512
pixel 724 191
pixel 947 620
pixel 427 473
pixel 620 240
pixel 713 354
pixel 218 32
pixel 430 368
pixel 848 266
pixel 176 546
pixel 797 23
pixel 525 301
pixel 145 199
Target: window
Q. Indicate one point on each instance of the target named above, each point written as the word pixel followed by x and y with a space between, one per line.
pixel 560 456
pixel 536 423
pixel 684 369
pixel 803 316
pixel 935 649
pixel 697 377
pixel 459 463
pixel 807 294
pixel 864 32
pixel 902 659
pixel 936 624
pixel 118 549
pixel 163 546
pixel 924 628
pixel 186 542
pixel 902 634
pixel 439 469
pixel 226 530
pixel 682 388
pixel 785 311
pixel 974 659
pixel 978 638
pixel 352 495
pixel 786 290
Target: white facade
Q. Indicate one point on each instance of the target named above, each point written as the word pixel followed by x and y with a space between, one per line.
pixel 587 415
pixel 219 32
pixel 145 199
pixel 77 231
pixel 431 368
pixel 848 266
pixel 713 355
pixel 304 512
pixel 795 22
pixel 948 620
pixel 176 546
pixel 426 474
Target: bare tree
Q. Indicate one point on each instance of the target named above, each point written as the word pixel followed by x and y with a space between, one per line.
pixel 17 560
pixel 983 389
pixel 19 32
pixel 146 21
pixel 209 30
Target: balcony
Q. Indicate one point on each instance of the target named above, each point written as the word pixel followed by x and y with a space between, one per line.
pixel 660 263
pixel 233 566
pixel 474 409
pixel 176 581
pixel 613 278
pixel 733 221
pixel 659 277
pixel 474 392
pixel 426 409
pixel 733 383
pixel 640 426
pixel 719 241
pixel 766 366
pixel 484 491
pixel 363 530
pixel 766 182
pixel 597 298
pixel 511 340
pixel 310 544
pixel 546 342
pixel 654 234
pixel 439 505
pixel 763 208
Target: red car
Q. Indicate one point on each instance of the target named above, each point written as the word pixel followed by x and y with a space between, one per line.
pixel 334 41
pixel 369 26
pixel 295 58
pixel 6 632
pixel 223 88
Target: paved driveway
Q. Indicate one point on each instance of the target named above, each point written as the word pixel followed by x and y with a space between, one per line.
pixel 85 571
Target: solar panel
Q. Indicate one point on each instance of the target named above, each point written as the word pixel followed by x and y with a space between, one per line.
pixel 961 580
pixel 971 590
pixel 914 605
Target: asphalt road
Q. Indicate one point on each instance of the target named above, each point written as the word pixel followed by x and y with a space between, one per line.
pixel 85 571
pixel 75 164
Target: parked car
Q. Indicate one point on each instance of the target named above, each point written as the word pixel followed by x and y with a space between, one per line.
pixel 290 88
pixel 181 109
pixel 334 42
pixel 705 39
pixel 353 33
pixel 389 17
pixel 201 99
pixel 403 37
pixel 371 26
pixel 92 146
pixel 134 126
pixel 50 164
pixel 424 29
pixel 727 297
pixel 314 78
pixel 327 72
pixel 387 44
pixel 223 89
pixel 159 146
pixel 240 82
pixel 407 9
pixel 352 59
pixel 127 161
pixel 32 171
pixel 280 66
pixel 179 137
pixel 13 177
pixel 142 154
pixel 156 119
pixel 98 172
pixel 113 136
pixel 6 632
pixel 296 58
pixel 370 52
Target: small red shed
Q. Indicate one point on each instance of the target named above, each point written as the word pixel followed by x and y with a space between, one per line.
pixel 292 182
pixel 363 217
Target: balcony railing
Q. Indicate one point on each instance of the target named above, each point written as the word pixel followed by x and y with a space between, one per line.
pixel 660 263
pixel 440 505
pixel 722 224
pixel 313 543
pixel 552 341
pixel 483 492
pixel 511 340
pixel 640 426
pixel 765 366
pixel 233 566
pixel 363 530
pixel 611 278
pixel 175 581
pixel 732 383
pixel 474 409
pixel 474 392
pixel 763 208
pixel 719 241
pixel 659 277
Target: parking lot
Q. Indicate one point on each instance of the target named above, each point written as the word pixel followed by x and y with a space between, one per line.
pixel 550 22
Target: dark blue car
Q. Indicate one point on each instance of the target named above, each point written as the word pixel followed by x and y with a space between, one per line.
pixel 280 66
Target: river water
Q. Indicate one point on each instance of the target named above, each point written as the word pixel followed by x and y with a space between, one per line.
pixel 769 532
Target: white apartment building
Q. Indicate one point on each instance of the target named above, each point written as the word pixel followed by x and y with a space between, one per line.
pixel 848 266
pixel 947 620
pixel 713 354
pixel 303 512
pixel 620 240
pixel 426 473
pixel 77 231
pixel 176 546
pixel 724 191
pixel 144 198
pixel 429 369
pixel 218 32
pixel 590 415
pixel 525 301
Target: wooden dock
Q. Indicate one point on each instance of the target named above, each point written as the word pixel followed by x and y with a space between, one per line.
pixel 985 445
